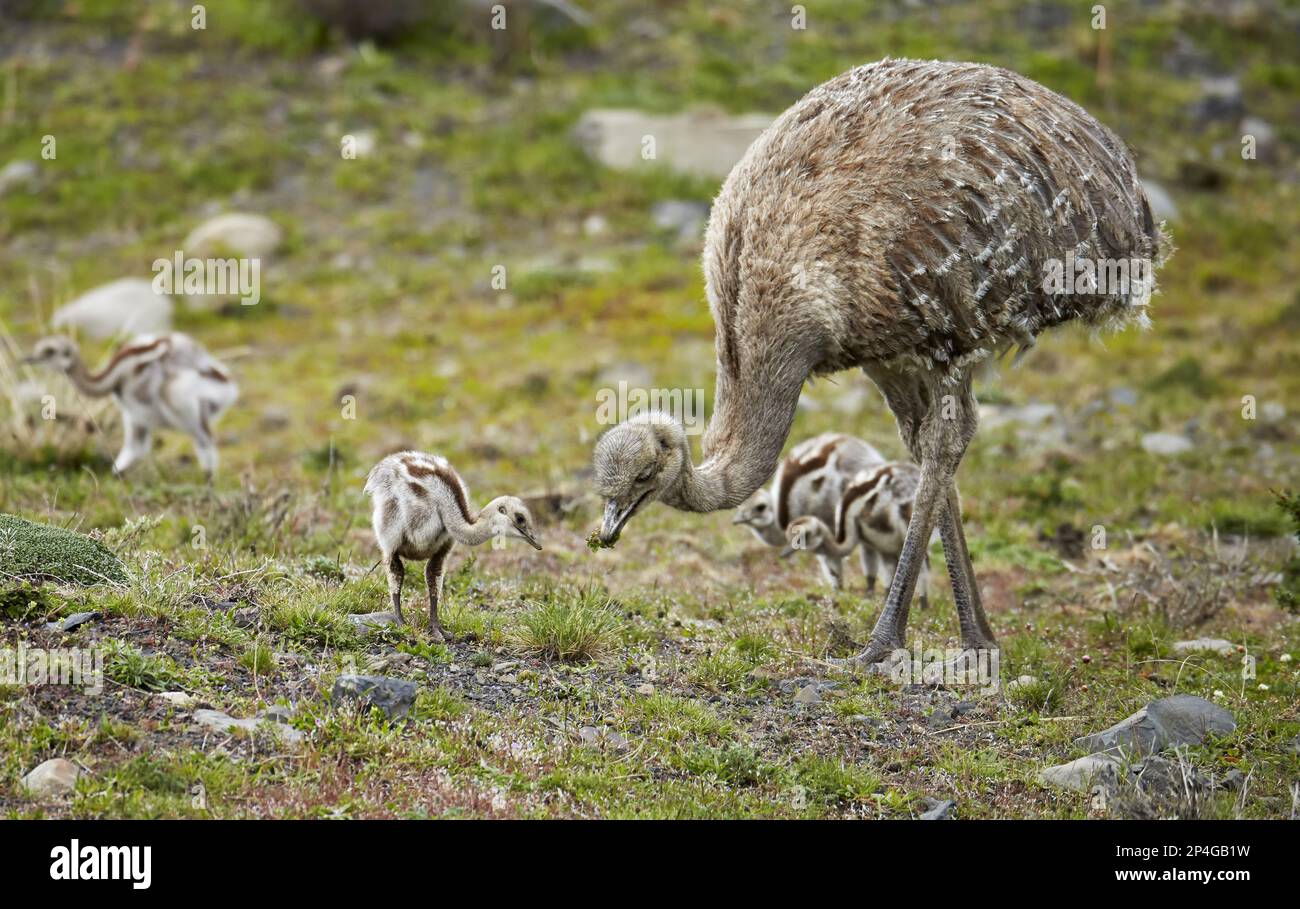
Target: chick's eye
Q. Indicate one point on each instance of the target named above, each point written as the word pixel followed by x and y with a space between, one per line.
pixel 760 508
pixel 501 508
pixel 646 476
pixel 519 519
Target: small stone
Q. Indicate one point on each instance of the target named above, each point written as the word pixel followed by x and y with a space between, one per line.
pixel 1082 774
pixel 18 174
pixel 367 623
pixel 392 696
pixel 235 234
pixel 247 617
pixel 647 689
pixel 1232 780
pixel 73 621
pixel 1217 645
pixel 939 810
pixel 57 776
pixel 1166 444
pixel 1023 681
pixel 617 741
pixel 808 694
pixel 589 735
pixel 179 699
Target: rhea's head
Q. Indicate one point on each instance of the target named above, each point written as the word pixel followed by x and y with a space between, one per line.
pixel 637 462
pixel 757 511
pixel 806 533
pixel 56 352
pixel 510 519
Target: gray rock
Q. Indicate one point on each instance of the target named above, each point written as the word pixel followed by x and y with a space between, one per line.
pixel 1220 100
pixel 685 219
pixel 1232 780
pixel 277 713
pixel 705 143
pixel 1023 681
pixel 1179 720
pixel 126 306
pixel 939 810
pixel 392 696
pixel 808 695
pixel 1166 444
pixel 57 776
pixel 1217 645
pixel 369 622
pixel 589 735
pixel 1265 137
pixel 1082 774
pixel 234 234
pixel 1165 779
pixel 18 174
pixel 75 620
pixel 179 699
pixel 1123 396
pixel 1163 207
pixel 617 741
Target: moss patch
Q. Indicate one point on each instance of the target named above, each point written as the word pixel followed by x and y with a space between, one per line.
pixel 41 552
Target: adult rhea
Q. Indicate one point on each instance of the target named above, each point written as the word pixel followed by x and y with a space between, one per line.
pixel 900 219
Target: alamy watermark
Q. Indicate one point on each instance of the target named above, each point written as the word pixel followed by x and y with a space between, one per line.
pixel 953 667
pixel 1133 278
pixel 617 405
pixel 209 277
pixel 72 667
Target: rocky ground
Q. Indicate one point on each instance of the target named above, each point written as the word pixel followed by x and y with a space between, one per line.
pixel 1120 498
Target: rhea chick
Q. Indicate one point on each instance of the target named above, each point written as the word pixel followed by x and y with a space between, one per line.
pixel 874 511
pixel 421 509
pixel 810 481
pixel 158 382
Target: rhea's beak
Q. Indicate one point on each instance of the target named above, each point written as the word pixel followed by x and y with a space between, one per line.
pixel 616 517
pixel 529 538
pixel 30 359
pixel 788 551
pixel 740 518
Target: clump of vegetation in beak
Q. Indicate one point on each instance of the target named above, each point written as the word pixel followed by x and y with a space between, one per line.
pixel 595 543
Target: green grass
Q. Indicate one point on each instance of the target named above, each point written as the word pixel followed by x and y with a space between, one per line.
pixel 572 629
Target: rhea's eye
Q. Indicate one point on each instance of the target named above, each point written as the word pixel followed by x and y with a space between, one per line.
pixel 519 519
pixel 501 508
pixel 760 507
pixel 647 476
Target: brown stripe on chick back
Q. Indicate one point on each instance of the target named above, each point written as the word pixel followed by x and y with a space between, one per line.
pixel 122 354
pixel 795 469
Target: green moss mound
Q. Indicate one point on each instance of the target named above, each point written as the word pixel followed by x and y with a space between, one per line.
pixel 41 552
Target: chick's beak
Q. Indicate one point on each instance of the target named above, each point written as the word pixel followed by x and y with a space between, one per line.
pixel 739 518
pixel 787 551
pixel 529 537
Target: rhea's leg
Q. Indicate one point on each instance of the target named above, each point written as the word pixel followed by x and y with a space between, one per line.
pixel 136 440
pixel 976 634
pixel 870 566
pixel 832 571
pixel 888 635
pixel 433 578
pixel 396 574
pixel 923 584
